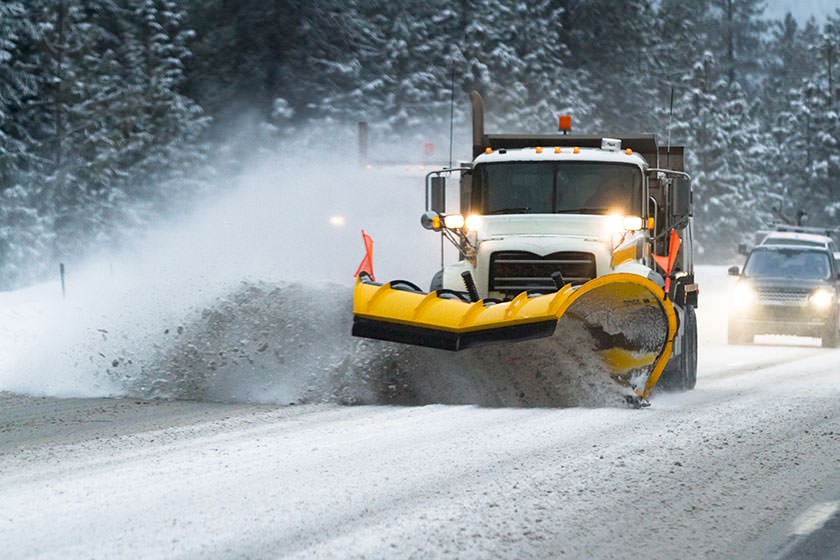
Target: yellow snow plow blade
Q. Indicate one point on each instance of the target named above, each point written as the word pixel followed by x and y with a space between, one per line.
pixel 631 321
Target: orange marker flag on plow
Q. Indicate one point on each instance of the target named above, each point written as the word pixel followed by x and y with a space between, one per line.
pixel 666 262
pixel 367 262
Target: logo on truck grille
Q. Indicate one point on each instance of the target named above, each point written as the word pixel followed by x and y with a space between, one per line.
pixel 512 272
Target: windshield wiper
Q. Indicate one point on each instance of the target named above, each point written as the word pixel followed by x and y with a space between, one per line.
pixel 514 210
pixel 585 210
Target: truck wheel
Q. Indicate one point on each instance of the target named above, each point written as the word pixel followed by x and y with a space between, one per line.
pixel 681 372
pixel 437 281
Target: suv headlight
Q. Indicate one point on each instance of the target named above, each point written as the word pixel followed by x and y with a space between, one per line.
pixel 821 298
pixel 744 295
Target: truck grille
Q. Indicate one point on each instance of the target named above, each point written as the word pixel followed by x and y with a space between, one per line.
pixel 783 296
pixel 512 272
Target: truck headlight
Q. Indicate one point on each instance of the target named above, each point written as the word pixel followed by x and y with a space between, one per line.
pixel 821 298
pixel 453 221
pixel 633 223
pixel 618 223
pixel 744 295
pixel 435 221
pixel 473 222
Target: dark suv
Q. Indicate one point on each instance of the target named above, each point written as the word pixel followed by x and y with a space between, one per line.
pixel 786 289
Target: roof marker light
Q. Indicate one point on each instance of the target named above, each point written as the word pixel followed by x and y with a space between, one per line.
pixel 628 151
pixel 539 149
pixel 488 150
pixel 556 149
pixel 576 150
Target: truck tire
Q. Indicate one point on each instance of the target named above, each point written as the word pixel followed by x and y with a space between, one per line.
pixel 681 372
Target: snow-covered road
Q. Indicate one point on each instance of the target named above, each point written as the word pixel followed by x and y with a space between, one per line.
pixel 736 468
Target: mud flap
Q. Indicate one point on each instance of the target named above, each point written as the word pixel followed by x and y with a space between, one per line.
pixel 632 323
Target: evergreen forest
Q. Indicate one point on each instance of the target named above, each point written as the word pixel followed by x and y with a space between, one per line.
pixel 115 113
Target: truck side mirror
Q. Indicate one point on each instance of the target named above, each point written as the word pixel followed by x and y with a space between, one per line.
pixel 681 198
pixel 733 271
pixel 742 248
pixel 438 194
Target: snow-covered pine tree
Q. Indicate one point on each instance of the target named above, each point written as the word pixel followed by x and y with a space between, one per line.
pixel 680 33
pixel 516 55
pixel 787 61
pixel 725 155
pixel 57 121
pixel 23 232
pixel 819 103
pixel 17 84
pixel 162 154
pixel 787 66
pixel 101 120
pixel 735 32
pixel 400 62
pixel 614 43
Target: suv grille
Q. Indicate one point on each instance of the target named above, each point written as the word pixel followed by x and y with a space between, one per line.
pixel 512 272
pixel 783 296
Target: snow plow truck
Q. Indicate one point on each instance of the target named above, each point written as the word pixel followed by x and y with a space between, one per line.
pixel 554 228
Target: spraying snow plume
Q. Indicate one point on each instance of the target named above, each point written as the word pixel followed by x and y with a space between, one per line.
pixel 289 221
pixel 249 299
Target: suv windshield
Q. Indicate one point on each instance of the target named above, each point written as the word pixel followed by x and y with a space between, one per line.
pixel 557 187
pixel 788 262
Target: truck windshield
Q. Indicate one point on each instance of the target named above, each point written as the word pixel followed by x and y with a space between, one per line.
pixel 790 263
pixel 557 187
